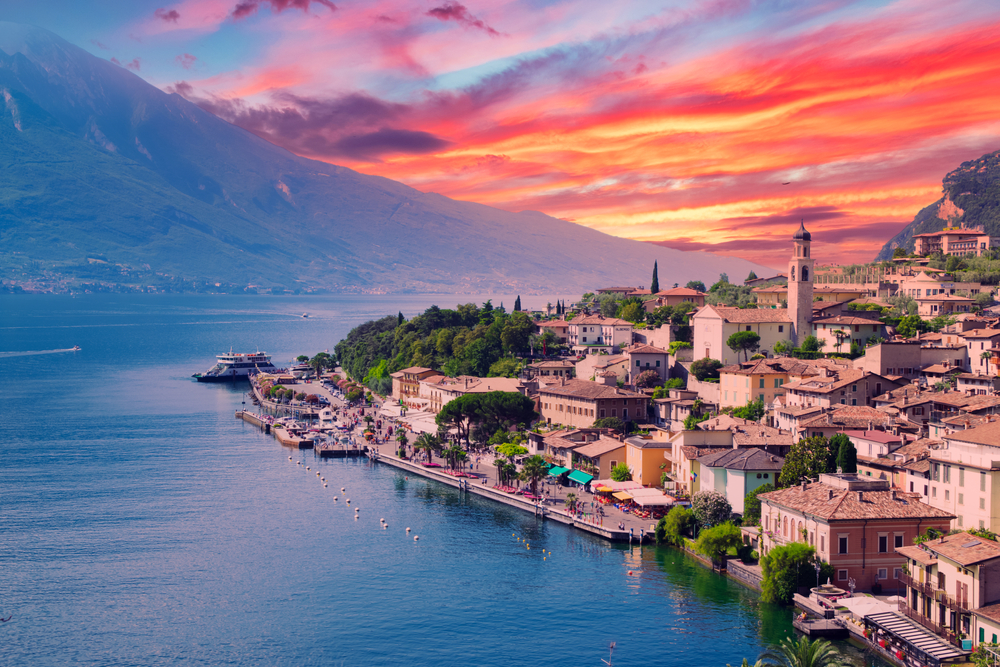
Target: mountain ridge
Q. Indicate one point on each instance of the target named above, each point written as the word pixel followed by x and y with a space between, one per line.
pixel 108 177
pixel 970 197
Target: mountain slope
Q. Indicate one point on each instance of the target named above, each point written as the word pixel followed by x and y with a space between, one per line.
pixel 971 198
pixel 102 170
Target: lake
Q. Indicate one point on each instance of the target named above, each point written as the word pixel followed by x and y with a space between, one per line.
pixel 142 524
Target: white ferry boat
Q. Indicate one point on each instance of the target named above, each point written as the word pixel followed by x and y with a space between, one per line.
pixel 232 367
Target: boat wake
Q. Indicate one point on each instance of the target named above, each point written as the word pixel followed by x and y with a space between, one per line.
pixel 4 355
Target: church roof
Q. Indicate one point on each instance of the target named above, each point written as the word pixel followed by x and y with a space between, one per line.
pixel 802 234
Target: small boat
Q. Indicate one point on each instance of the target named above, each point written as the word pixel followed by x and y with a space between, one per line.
pixel 305 314
pixel 75 348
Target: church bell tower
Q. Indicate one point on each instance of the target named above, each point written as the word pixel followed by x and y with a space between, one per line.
pixel 800 286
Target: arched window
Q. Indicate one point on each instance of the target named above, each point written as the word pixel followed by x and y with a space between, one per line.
pixel 805 274
pixel 800 530
pixel 805 251
pixel 793 274
pixel 784 528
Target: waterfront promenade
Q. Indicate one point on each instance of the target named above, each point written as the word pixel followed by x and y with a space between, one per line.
pixel 592 517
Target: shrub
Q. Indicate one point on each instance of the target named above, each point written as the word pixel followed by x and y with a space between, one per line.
pixel 706 368
pixel 780 568
pixel 711 508
pixel 677 345
pixel 621 472
pixel 614 423
pixel 751 505
pixel 669 529
pixel 714 542
pixel 301 396
pixel 648 378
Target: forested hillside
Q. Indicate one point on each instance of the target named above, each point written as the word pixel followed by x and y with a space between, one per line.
pixel 469 340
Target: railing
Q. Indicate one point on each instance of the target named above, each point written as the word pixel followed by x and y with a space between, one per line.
pixel 922 620
pixel 924 587
pixel 954 603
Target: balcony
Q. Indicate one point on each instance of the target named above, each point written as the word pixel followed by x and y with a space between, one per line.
pixel 940 630
pixel 924 587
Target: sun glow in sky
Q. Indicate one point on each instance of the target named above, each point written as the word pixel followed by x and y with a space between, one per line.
pixel 703 124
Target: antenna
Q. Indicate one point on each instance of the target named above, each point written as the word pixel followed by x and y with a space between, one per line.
pixel 611 650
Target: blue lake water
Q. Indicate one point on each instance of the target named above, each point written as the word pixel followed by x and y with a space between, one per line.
pixel 141 524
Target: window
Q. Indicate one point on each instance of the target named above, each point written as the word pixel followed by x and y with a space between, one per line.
pixel 758 475
pixel 765 475
pixel 961 476
pixel 961 499
pixel 982 481
pixel 960 522
pixel 637 363
pixel 822 542
pixel 883 573
pixel 781 328
pixel 841 575
pixel 614 412
pixel 842 545
pixel 657 363
pixel 602 414
pixel 748 327
pixel 947 494
pixel 982 503
pixel 584 339
pixel 898 540
pixel 883 544
pixel 614 463
pixel 624 413
pixel 934 492
pixel 947 474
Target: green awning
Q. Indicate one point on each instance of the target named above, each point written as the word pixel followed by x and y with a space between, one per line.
pixel 580 476
pixel 555 472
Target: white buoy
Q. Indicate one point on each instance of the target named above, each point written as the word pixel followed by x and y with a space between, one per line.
pixel 289 458
pixel 407 529
pixel 416 537
pixel 335 497
pixel 322 479
pixel 343 490
pixel 298 463
pixel 307 468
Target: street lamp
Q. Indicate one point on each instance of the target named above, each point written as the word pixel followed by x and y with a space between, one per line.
pixel 817 573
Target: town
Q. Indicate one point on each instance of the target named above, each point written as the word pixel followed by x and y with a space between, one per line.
pixel 828 437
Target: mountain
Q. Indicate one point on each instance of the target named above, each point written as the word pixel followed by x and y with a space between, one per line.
pixel 970 198
pixel 107 178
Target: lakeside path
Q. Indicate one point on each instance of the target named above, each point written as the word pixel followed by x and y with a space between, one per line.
pixel 480 465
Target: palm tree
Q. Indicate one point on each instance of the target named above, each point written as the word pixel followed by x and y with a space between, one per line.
pixel 454 455
pixel 746 663
pixel 570 500
pixel 402 440
pixel 505 471
pixel 987 356
pixel 533 471
pixel 804 653
pixel 427 442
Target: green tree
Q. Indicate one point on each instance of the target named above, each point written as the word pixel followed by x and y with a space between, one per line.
pixel 301 358
pixel 783 347
pixel 677 345
pixel 751 505
pixel 745 342
pixel 710 508
pixel 811 344
pixel 809 457
pixel 570 500
pixel 621 473
pixel 614 423
pixel 517 303
pixel 781 567
pixel 753 411
pixel 752 276
pixel 504 368
pixel 696 285
pixel 633 312
pixel 654 285
pixel 454 455
pixel 428 443
pixel 402 441
pixel 803 653
pixel 533 471
pixel 847 454
pixel 670 529
pixel 900 252
pixel 491 410
pixel 706 368
pixel 983 299
pixel 714 542
pixel 517 332
pixel 692 420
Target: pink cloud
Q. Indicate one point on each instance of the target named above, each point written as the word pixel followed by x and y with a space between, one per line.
pixel 186 60
pixel 452 11
pixel 248 8
pixel 170 16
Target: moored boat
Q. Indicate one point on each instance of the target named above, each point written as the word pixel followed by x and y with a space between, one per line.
pixel 232 367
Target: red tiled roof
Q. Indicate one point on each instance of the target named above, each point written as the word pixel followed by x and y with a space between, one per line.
pixel 846 506
pixel 748 315
pixel 963 548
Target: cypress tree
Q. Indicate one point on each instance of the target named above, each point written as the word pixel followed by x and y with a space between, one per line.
pixel 399 319
pixel 517 303
pixel 654 286
pixel 752 276
pixel 847 454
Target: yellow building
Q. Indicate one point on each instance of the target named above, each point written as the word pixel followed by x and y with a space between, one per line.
pixel 775 296
pixel 645 456
pixel 760 379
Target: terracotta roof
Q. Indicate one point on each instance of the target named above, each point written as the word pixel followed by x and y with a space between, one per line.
pixel 916 449
pixel 923 465
pixel 747 433
pixel 849 417
pixel 599 447
pixel 990 611
pixel 598 319
pixel 415 369
pixel 680 291
pixel 963 548
pixel 845 505
pixel 916 553
pixel 981 333
pixel 846 319
pixel 692 452
pixel 987 434
pixel 589 390
pixel 832 289
pixel 760 367
pixel 875 436
pixel 553 364
pixel 641 348
pixel 749 315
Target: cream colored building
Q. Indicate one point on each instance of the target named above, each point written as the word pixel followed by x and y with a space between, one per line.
pixel 713 325
pixel 965 476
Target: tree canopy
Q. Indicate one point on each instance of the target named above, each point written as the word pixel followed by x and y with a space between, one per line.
pixel 706 368
pixel 745 342
pixel 714 542
pixel 711 508
pixel 847 454
pixel 654 285
pixel 621 472
pixel 491 410
pixel 751 505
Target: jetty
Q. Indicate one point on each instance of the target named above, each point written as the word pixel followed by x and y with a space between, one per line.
pixel 289 438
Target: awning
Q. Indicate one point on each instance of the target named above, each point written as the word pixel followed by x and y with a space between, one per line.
pixel 654 501
pixel 604 489
pixel 555 472
pixel 923 644
pixel 580 476
pixel 621 495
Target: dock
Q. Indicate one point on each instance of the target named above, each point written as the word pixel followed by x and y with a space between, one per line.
pixel 289 439
pixel 821 627
pixel 338 451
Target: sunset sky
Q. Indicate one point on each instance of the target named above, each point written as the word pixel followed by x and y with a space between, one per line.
pixel 708 125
